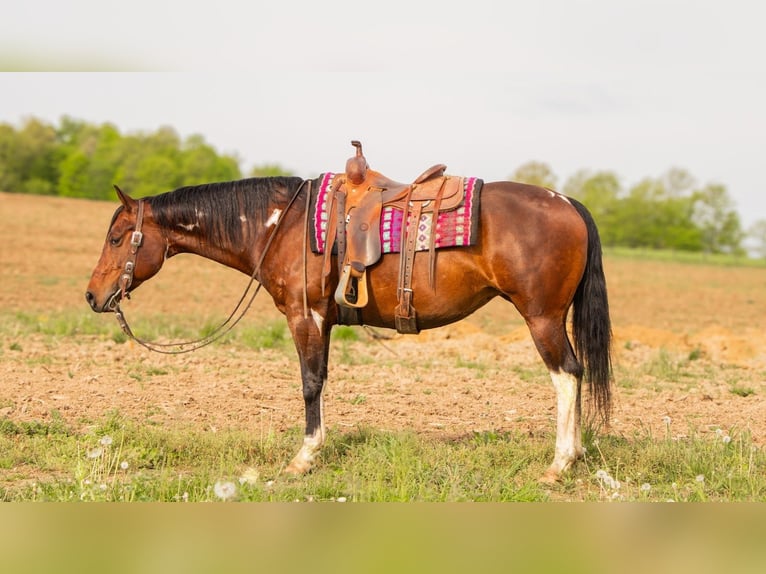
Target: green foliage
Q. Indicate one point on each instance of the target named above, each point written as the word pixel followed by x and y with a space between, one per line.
pixel 718 222
pixel 660 213
pixel 77 159
pixel 269 170
pixel 535 173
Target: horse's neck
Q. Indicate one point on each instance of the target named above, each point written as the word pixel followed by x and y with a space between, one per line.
pixel 242 257
pixel 246 230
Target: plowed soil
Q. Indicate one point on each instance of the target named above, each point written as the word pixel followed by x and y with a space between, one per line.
pixel 690 344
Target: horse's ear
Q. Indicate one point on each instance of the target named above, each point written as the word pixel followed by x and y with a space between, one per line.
pixel 125 199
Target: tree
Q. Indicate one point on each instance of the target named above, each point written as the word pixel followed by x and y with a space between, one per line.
pixel 714 214
pixel 600 193
pixel 653 216
pixel 199 163
pixel 535 173
pixel 28 160
pixel 269 170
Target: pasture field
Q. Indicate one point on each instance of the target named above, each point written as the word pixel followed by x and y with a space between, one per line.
pixel 466 412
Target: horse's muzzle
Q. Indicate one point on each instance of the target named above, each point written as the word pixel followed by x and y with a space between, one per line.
pixel 109 305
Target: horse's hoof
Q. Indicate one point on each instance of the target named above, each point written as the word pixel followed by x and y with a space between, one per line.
pixel 549 477
pixel 297 467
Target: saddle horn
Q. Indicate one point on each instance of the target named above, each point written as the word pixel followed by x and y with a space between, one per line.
pixel 356 167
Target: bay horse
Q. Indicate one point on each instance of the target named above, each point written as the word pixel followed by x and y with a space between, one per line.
pixel 537 249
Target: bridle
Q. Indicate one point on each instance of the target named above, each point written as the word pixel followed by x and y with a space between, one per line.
pixel 126 280
pixel 136 239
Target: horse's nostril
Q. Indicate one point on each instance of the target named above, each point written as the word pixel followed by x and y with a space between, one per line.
pixel 90 298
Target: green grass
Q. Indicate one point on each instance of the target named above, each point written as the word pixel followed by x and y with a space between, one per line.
pixel 687 257
pixel 119 460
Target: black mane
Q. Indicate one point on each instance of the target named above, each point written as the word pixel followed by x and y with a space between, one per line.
pixel 214 210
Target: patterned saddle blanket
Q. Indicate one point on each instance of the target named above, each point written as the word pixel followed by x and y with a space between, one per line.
pixel 456 227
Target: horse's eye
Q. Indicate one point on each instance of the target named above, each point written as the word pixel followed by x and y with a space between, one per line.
pixel 115 241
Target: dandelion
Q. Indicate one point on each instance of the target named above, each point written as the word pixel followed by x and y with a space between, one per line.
pixel 726 439
pixel 667 420
pixel 224 490
pixel 601 474
pixel 124 465
pixel 700 478
pixel 646 487
pixel 341 499
pixel 96 452
pixel 106 440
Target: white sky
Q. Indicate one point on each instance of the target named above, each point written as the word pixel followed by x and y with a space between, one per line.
pixel 485 86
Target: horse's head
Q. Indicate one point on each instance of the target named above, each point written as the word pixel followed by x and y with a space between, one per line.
pixel 133 252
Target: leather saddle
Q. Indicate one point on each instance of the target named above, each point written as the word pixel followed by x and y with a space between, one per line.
pixel 357 200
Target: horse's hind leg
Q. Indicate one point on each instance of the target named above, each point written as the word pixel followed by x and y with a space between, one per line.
pixel 550 337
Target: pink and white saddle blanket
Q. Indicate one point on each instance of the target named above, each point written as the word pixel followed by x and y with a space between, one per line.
pixel 457 227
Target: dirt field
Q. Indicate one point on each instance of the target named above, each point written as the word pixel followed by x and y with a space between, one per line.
pixel 685 337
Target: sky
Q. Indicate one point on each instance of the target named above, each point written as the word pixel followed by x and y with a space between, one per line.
pixel 485 86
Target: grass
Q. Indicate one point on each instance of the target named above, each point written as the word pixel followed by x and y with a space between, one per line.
pixel 686 257
pixel 120 460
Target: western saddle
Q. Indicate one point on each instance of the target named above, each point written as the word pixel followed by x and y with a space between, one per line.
pixel 358 197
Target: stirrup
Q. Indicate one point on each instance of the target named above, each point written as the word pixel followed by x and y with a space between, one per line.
pixel 352 287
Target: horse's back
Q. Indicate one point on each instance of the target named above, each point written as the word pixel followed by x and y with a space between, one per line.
pixel 531 242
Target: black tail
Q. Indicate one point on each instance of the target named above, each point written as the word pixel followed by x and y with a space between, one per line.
pixel 592 328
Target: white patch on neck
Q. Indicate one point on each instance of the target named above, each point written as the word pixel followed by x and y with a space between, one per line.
pixel 274 217
pixel 242 218
pixel 189 226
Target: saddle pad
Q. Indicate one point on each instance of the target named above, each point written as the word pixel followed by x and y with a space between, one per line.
pixel 456 228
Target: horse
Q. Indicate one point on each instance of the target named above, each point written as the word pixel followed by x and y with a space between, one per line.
pixel 536 248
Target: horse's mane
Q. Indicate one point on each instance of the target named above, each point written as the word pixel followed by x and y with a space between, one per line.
pixel 215 210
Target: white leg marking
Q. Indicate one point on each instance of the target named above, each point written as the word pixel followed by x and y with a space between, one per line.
pixel 274 217
pixel 568 439
pixel 318 319
pixel 312 444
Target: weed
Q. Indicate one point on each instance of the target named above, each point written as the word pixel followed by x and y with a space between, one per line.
pixel 695 354
pixel 741 391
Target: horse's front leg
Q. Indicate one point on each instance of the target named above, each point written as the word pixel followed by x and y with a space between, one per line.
pixel 312 340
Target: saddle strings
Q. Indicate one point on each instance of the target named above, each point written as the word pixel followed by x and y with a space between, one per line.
pixel 227 325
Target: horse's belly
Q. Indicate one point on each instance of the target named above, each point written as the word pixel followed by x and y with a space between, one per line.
pixel 459 289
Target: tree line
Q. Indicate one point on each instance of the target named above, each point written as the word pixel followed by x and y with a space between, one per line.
pixel 667 212
pixel 78 159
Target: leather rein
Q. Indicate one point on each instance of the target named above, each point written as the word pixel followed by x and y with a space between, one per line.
pixel 126 279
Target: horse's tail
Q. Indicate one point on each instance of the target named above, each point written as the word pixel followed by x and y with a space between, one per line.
pixel 591 326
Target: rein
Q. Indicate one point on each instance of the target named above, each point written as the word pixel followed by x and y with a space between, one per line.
pixel 167 348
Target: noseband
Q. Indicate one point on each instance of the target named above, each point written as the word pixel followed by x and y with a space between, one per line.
pixel 126 279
